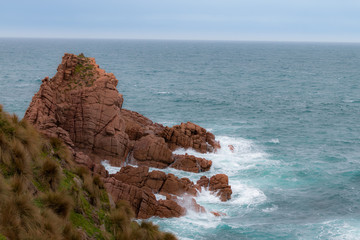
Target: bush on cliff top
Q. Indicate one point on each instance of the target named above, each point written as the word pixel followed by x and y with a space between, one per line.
pixel 45 195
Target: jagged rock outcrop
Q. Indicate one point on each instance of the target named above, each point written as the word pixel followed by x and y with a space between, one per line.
pixel 152 151
pixel 219 184
pixel 190 135
pixel 138 186
pixel 191 163
pixel 82 106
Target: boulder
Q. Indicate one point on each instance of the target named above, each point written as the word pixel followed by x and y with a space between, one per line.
pixel 190 135
pixel 152 151
pixel 219 183
pixel 191 163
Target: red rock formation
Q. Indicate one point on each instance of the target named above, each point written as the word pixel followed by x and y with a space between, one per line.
pixel 191 163
pixel 157 181
pixel 190 135
pixel 140 184
pixel 137 126
pixel 142 200
pixel 152 151
pixel 220 183
pixel 82 106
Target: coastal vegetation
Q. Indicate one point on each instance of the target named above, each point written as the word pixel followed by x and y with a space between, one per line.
pixel 45 195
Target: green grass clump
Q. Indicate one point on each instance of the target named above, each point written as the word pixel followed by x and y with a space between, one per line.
pixel 83 74
pixel 2 237
pixel 90 228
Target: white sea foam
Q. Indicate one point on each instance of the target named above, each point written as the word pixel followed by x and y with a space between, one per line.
pixel 244 155
pixel 205 196
pixel 340 230
pixel 274 140
pixel 273 208
pixel 160 197
pixel 242 195
pixel 109 168
pixel 246 195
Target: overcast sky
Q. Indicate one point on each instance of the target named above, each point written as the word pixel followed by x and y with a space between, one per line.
pixel 264 20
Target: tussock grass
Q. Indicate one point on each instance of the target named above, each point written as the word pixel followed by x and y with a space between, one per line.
pixel 50 173
pixel 59 202
pixel 45 195
pixel 70 233
pixel 3 188
pixel 61 151
pixel 20 159
pixel 18 185
pixel 53 225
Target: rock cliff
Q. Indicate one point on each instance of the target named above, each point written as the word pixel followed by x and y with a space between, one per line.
pixel 82 106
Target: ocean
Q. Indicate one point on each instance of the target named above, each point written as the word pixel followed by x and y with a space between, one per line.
pixel 291 110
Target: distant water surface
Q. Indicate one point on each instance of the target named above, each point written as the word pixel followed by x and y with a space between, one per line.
pixel 291 110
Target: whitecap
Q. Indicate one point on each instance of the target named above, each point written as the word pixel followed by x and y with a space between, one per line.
pixel 234 155
pixel 274 140
pixel 340 229
pixel 273 208
pixel 246 195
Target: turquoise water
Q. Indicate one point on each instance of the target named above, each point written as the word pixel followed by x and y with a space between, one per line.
pixel 290 109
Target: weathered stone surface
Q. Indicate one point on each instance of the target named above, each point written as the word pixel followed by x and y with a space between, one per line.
pixel 152 151
pixel 178 186
pixel 142 200
pixel 133 175
pixel 203 182
pixel 190 135
pixel 81 105
pixel 191 163
pixel 137 126
pixel 170 208
pixel 155 180
pixel 220 183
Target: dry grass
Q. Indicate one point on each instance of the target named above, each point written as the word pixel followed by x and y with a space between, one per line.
pixel 59 202
pixel 39 186
pixel 50 173
pixel 21 159
pixel 3 188
pixel 61 151
pixel 19 217
pixel 70 233
pixel 18 184
pixel 120 220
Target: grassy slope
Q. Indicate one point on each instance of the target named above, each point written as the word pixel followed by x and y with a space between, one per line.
pixel 44 195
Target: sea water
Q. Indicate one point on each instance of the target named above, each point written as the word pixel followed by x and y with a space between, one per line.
pixel 291 111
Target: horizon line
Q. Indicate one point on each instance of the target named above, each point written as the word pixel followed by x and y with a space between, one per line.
pixel 184 39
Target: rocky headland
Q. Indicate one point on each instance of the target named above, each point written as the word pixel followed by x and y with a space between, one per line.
pixel 82 106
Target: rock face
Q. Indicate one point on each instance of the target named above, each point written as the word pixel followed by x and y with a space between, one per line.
pixel 191 163
pixel 190 135
pixel 138 185
pixel 82 106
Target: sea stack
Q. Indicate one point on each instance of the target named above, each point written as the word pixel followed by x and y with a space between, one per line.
pixel 82 106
